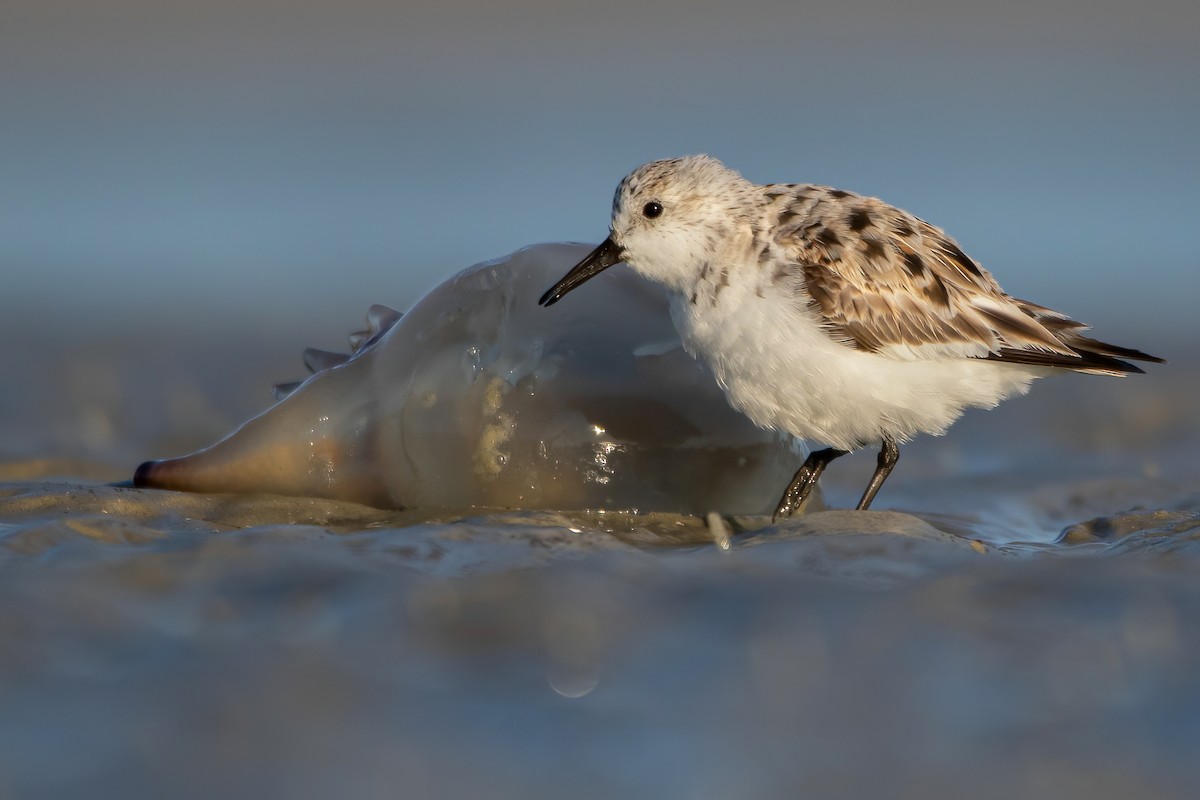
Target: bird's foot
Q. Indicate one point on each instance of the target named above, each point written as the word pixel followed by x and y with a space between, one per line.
pixel 796 493
pixel 805 479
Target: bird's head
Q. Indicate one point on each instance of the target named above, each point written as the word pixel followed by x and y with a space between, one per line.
pixel 669 218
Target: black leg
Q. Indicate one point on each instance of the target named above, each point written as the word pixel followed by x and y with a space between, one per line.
pixel 889 454
pixel 806 478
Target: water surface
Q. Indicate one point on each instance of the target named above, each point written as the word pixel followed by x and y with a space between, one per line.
pixel 157 643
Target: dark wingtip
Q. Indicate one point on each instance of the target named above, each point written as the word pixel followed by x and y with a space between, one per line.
pixel 1082 361
pixel 549 298
pixel 1116 351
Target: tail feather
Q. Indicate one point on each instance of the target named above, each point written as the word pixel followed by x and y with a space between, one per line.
pixel 1087 355
pixel 1085 344
pixel 1090 356
pixel 1083 361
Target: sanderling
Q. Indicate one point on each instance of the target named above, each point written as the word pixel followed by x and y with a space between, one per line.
pixel 834 317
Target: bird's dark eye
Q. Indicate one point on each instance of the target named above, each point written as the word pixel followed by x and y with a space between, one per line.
pixel 652 209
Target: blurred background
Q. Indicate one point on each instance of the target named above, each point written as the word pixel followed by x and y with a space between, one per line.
pixel 187 179
pixel 192 191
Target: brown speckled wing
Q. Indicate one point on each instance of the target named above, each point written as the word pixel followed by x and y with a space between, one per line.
pixel 881 278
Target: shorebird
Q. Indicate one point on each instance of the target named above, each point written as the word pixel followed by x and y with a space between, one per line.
pixel 831 316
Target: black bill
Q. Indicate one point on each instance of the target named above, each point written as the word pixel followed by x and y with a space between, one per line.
pixel 600 259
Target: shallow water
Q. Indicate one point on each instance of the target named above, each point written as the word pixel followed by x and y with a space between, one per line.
pixel 1020 619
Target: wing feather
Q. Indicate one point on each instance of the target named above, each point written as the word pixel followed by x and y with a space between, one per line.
pixel 884 281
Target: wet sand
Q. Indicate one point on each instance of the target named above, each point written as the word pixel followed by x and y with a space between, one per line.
pixel 1020 617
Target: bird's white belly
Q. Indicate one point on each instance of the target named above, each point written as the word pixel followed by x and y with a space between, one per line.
pixel 780 369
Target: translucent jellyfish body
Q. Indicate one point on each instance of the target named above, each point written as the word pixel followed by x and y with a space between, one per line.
pixel 478 397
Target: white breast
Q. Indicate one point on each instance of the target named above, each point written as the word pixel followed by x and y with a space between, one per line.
pixel 779 368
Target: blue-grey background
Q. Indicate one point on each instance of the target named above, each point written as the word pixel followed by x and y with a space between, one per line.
pixel 172 166
pixel 191 191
